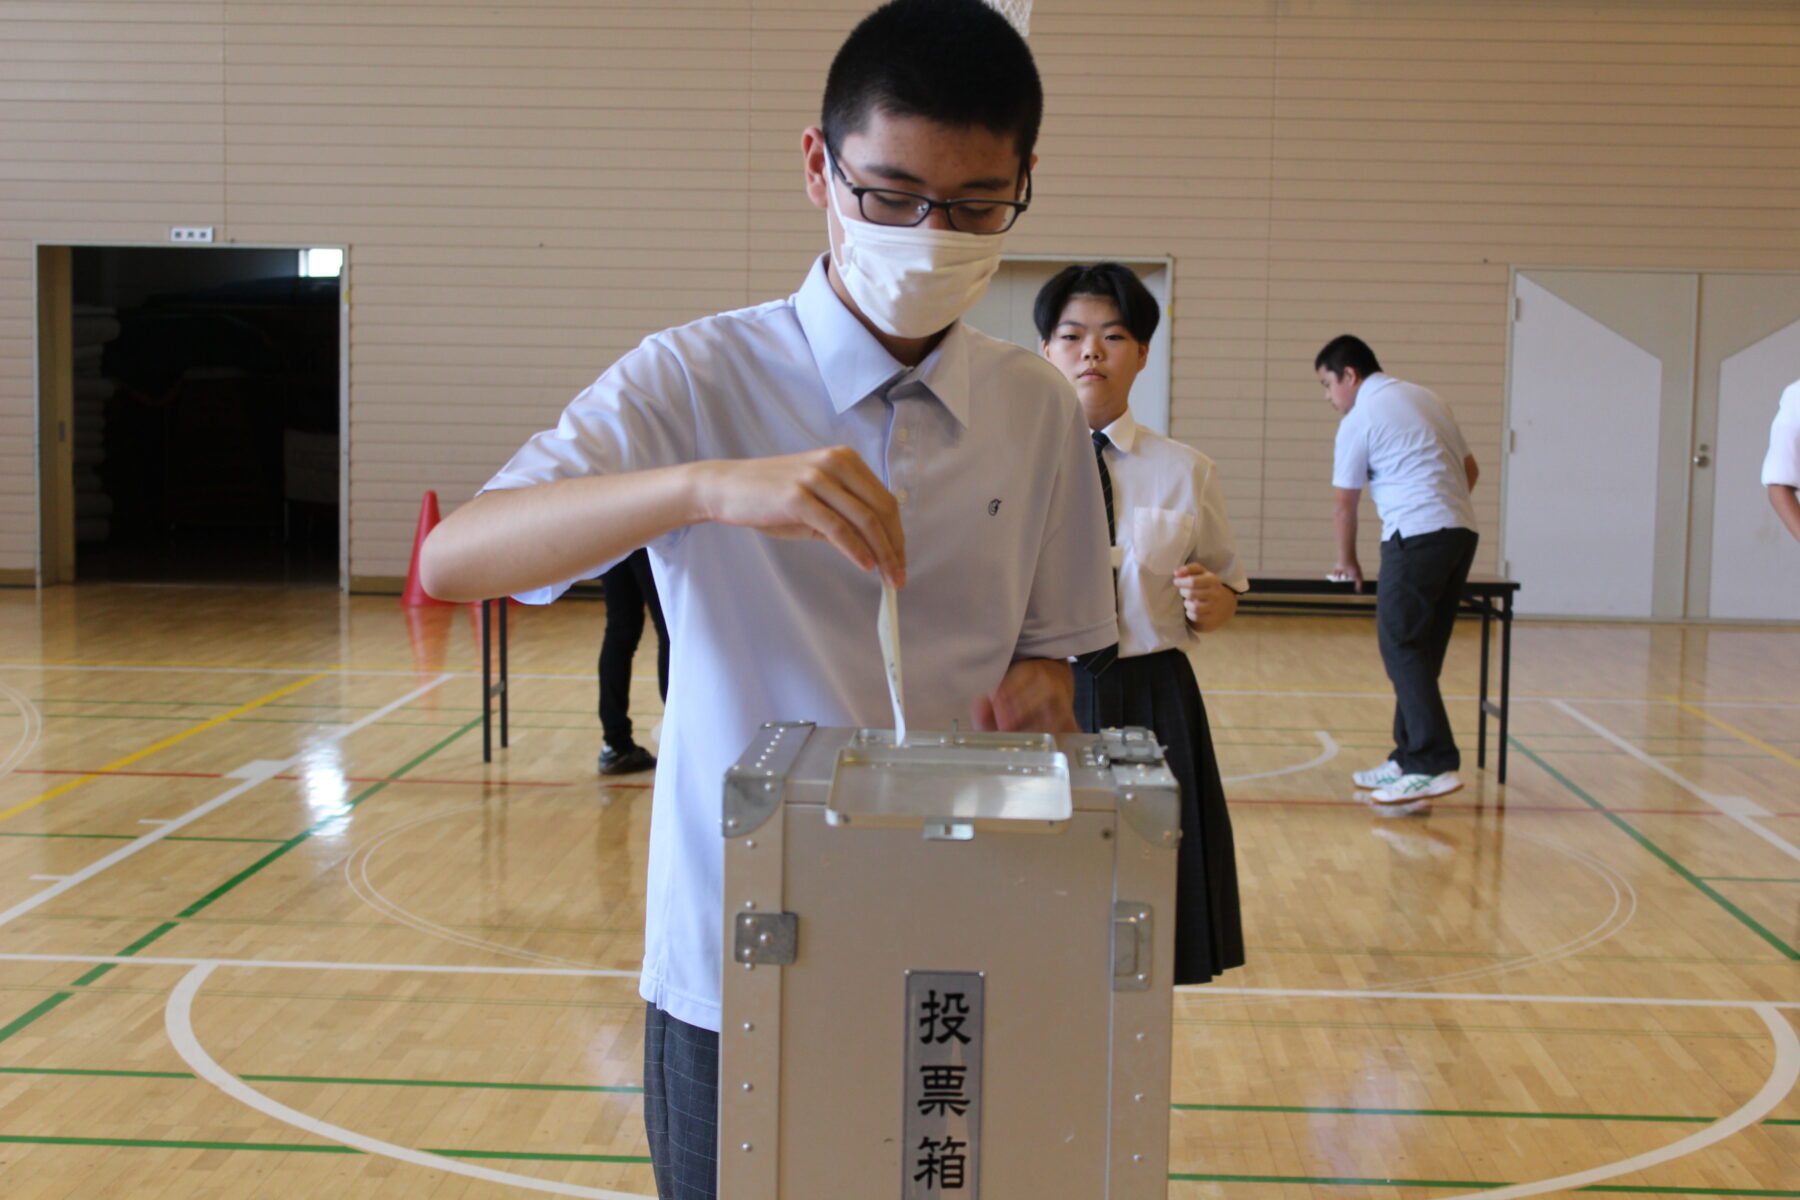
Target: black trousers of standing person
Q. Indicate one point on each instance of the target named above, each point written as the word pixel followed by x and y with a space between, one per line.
pixel 1158 692
pixel 1419 591
pixel 629 589
pixel 681 1106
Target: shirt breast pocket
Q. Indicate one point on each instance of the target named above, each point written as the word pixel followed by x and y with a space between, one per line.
pixel 1159 538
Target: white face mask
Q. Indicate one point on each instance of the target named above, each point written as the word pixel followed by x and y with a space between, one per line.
pixel 910 281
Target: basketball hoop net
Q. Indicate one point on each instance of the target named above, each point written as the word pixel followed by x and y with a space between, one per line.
pixel 1016 11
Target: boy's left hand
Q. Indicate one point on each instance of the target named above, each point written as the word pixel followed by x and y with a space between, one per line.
pixel 1204 596
pixel 1037 694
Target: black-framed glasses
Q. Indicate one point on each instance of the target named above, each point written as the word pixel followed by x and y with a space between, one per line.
pixel 891 206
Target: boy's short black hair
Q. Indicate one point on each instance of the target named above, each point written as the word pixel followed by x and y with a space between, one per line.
pixel 1113 281
pixel 1347 350
pixel 956 62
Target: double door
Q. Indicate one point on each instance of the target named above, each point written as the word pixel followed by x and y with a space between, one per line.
pixel 1638 406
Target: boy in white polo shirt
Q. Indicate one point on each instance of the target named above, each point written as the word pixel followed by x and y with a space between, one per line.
pixel 774 459
pixel 1781 466
pixel 1400 440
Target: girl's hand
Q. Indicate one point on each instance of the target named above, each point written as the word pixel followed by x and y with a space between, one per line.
pixel 1205 598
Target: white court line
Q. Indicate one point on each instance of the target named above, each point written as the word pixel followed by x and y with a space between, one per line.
pixel 265 770
pixel 1324 756
pixel 1625 905
pixel 178 1021
pixel 356 873
pixel 1780 1082
pixel 29 733
pixel 1739 809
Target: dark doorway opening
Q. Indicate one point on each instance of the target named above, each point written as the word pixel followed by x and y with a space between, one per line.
pixel 206 417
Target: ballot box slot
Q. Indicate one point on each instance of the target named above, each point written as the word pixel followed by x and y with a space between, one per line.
pixel 951 785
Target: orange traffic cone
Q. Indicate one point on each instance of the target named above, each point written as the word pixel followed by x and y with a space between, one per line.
pixel 415 592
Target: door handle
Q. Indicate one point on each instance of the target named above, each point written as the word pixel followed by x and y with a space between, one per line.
pixel 1700 460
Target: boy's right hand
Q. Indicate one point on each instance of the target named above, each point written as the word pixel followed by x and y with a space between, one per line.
pixel 829 495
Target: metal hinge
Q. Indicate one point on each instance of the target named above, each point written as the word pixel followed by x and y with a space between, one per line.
pixel 1132 940
pixel 766 939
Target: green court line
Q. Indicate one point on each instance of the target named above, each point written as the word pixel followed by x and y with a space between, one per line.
pixel 1446 1112
pixel 296 840
pixel 1631 830
pixel 103 1074
pixel 132 837
pixel 127 952
pixel 445 1083
pixel 26 1018
pixel 282 848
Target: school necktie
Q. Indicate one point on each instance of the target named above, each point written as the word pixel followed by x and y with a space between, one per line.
pixel 1101 442
pixel 1097 661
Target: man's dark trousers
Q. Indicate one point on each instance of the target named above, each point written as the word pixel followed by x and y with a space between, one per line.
pixel 681 1106
pixel 1420 587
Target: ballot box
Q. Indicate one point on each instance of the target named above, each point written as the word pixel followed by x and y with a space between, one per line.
pixel 948 966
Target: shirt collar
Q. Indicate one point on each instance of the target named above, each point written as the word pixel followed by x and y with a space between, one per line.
pixel 1374 383
pixel 854 366
pixel 1123 433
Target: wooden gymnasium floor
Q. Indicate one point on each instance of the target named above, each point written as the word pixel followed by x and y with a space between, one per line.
pixel 268 928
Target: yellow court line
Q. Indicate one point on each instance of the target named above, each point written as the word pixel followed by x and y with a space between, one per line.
pixel 239 711
pixel 1783 755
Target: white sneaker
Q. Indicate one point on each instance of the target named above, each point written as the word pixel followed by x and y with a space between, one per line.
pixel 1411 794
pixel 1388 772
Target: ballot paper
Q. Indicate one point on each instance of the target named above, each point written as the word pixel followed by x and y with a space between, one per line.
pixel 888 626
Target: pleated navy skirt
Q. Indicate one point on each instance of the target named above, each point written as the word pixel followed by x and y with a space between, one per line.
pixel 1158 691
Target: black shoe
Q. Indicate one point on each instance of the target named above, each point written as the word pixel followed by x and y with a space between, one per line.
pixel 626 760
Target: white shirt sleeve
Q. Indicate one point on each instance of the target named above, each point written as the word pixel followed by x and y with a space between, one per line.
pixel 1350 458
pixel 637 415
pixel 1071 609
pixel 1214 546
pixel 1782 464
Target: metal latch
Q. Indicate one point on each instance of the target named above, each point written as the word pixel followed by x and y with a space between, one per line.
pixel 770 939
pixel 1132 940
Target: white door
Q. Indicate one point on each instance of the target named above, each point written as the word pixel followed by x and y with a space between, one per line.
pixel 1594 359
pixel 1750 325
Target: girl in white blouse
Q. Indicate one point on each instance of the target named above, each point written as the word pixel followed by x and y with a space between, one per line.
pixel 1178 576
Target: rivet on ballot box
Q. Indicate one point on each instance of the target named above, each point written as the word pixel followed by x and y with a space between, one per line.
pixel 948 966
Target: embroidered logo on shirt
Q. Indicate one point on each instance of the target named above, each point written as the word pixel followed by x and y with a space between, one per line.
pixel 994 506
